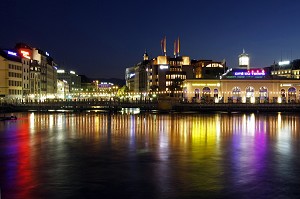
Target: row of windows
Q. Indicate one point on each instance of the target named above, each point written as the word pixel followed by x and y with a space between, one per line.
pixel 176 69
pixel 169 83
pixel 297 72
pixel 14 83
pixel 175 76
pixel 281 72
pixel 12 74
pixel 15 67
pixel 14 92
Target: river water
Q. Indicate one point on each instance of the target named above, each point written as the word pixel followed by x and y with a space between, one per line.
pixel 101 155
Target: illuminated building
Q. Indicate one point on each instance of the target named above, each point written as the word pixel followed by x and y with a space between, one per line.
pixel 62 89
pixel 42 77
pixel 166 74
pixel 163 73
pixel 10 76
pixel 275 84
pixel 35 80
pixel 48 73
pixel 25 51
pixel 137 77
pixel 72 78
pixel 209 69
pixel 288 69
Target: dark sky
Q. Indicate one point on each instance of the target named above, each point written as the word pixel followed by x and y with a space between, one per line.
pixel 101 38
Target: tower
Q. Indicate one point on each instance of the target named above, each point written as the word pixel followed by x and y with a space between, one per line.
pixel 146 57
pixel 244 60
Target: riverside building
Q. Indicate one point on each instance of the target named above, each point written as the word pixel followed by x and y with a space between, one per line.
pixel 10 76
pixel 165 74
pixel 27 74
pixel 72 79
pixel 278 83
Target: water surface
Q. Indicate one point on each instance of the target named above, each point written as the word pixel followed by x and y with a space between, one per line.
pixel 99 155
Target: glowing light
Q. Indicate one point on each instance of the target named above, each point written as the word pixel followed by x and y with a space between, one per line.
pixel 250 73
pixel 72 72
pixel 286 85
pixel 281 63
pixel 244 61
pixel 12 53
pixel 47 53
pixel 60 71
pixel 25 54
pixel 163 67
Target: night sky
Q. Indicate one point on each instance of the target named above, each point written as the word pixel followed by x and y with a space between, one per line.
pixel 101 38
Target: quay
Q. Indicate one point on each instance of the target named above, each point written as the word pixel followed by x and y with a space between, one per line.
pixel 159 105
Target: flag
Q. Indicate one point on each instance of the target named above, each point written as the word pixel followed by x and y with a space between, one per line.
pixel 162 45
pixel 178 47
pixel 175 48
pixel 165 45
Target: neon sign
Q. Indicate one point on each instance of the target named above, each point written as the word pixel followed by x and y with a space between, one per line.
pixel 11 53
pixel 25 54
pixel 163 67
pixel 250 73
pixel 281 63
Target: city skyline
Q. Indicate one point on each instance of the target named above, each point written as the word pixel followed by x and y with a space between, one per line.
pixel 102 39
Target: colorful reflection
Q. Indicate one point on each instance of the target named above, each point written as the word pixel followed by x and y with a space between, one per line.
pixel 149 155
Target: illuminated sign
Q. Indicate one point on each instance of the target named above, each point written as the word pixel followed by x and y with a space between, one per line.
pixel 25 54
pixel 208 84
pixel 285 85
pixel 11 53
pixel 250 73
pixel 281 63
pixel 60 71
pixel 163 67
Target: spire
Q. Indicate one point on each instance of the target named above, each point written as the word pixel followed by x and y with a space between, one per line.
pixel 146 57
pixel 243 51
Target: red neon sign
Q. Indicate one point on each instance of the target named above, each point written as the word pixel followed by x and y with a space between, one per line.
pixel 25 54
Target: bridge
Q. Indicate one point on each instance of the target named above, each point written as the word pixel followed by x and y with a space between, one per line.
pixel 163 105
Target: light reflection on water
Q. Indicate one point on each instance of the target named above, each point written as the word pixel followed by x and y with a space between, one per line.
pixel 87 155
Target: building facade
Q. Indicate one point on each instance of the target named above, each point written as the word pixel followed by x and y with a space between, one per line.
pixel 11 78
pixel 72 78
pixel 244 86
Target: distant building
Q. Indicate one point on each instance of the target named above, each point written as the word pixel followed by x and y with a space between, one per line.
pixel 287 69
pixel 137 76
pixel 208 69
pixel 166 74
pixel 72 78
pixel 62 89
